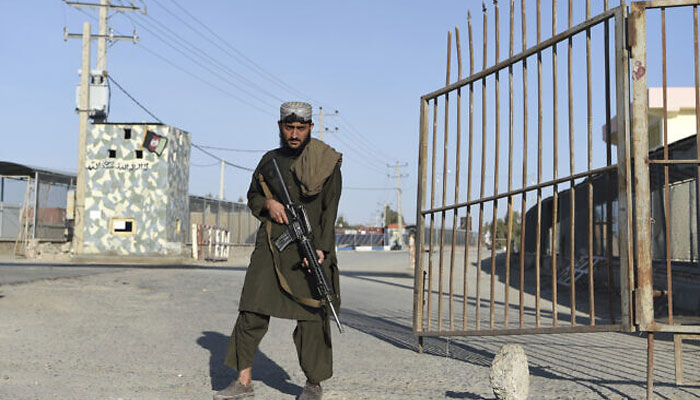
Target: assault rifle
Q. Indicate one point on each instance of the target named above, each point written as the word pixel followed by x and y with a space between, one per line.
pixel 299 231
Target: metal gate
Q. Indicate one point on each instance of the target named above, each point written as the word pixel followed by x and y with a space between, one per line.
pixel 565 240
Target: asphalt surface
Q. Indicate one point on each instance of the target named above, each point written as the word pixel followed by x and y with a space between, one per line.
pixel 139 332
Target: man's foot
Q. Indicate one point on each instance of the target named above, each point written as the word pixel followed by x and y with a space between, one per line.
pixel 236 390
pixel 312 391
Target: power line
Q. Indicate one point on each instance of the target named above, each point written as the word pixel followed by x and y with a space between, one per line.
pixel 219 64
pixel 199 63
pixel 221 159
pixel 176 65
pixel 367 188
pixel 205 165
pixel 111 79
pixel 232 149
pixel 240 57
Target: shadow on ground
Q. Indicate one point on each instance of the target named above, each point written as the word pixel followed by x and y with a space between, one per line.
pixel 264 368
pixel 401 336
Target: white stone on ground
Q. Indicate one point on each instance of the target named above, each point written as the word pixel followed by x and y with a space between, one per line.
pixel 510 378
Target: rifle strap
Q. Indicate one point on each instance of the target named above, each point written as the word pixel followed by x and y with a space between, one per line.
pixel 276 257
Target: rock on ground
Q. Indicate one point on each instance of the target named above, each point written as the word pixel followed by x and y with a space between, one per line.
pixel 510 378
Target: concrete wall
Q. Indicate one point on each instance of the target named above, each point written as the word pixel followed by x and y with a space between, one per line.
pixel 144 184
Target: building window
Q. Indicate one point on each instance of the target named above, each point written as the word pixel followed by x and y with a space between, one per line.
pixel 139 153
pixel 122 226
pixel 112 154
pixel 127 133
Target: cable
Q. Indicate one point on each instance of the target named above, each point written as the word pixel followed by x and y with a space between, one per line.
pixel 204 81
pixel 221 159
pixel 230 149
pixel 109 77
pixel 196 61
pixel 218 63
pixel 205 165
pixel 370 145
pixel 250 63
pixel 361 188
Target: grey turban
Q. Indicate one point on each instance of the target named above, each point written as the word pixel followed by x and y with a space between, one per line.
pixel 295 111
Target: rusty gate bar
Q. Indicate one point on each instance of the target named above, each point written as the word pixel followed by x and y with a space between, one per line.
pixel 624 178
pixel 432 217
pixel 483 172
pixel 667 197
pixel 696 55
pixel 524 194
pixel 509 211
pixel 555 167
pixel 469 167
pixel 608 158
pixel 589 119
pixel 420 221
pixel 457 174
pixel 538 232
pixel 444 181
pixel 572 185
pixel 497 135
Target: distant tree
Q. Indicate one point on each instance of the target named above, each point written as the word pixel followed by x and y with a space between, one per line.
pixel 340 222
pixel 390 216
pixel 502 231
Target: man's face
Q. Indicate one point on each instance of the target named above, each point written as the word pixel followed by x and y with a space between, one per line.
pixel 295 134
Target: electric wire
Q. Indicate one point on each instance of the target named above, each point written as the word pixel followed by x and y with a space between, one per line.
pixel 221 159
pixel 369 147
pixel 111 79
pixel 174 64
pixel 367 188
pixel 357 133
pixel 198 62
pixel 205 165
pixel 232 149
pixel 213 60
pixel 249 63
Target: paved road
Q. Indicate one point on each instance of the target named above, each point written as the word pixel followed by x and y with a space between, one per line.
pixel 79 332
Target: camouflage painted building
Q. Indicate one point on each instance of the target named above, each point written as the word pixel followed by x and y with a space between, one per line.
pixel 136 200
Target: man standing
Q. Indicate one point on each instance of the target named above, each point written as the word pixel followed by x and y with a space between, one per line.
pixel 278 283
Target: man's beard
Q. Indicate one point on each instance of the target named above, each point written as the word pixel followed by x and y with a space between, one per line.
pixel 283 144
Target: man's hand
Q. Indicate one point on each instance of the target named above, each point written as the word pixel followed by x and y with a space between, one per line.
pixel 276 211
pixel 321 257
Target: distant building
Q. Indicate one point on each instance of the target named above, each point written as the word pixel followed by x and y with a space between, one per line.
pixel 683 207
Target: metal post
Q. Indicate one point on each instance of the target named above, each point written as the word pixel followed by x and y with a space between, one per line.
pixel 624 168
pixel 420 221
pixel 36 204
pixel 221 179
pixel 640 147
pixel 80 187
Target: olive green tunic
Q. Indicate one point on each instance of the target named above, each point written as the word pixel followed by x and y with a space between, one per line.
pixel 262 292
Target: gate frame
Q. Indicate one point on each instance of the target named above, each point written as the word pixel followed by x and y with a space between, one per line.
pixel 634 217
pixel 619 14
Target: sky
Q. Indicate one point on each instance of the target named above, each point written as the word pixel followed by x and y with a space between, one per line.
pixel 220 69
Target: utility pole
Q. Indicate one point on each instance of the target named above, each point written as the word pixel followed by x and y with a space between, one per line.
pixel 99 76
pixel 321 130
pixel 221 179
pixel 85 108
pixel 398 177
